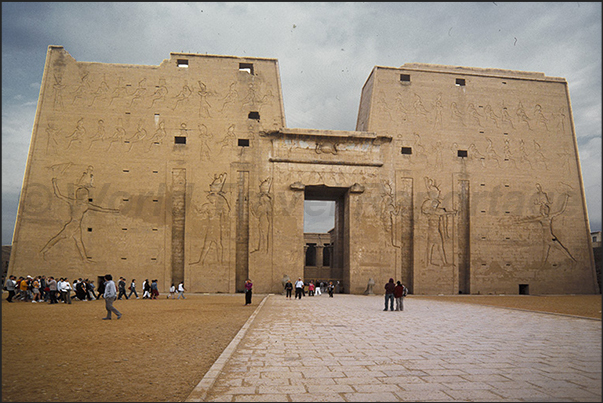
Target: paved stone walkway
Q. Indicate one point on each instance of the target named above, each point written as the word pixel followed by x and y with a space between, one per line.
pixel 347 349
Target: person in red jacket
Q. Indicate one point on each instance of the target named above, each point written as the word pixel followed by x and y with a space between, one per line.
pixel 399 294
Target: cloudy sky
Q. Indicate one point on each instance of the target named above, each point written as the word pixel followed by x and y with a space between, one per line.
pixel 325 52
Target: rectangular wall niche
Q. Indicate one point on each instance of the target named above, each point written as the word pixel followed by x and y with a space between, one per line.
pixel 182 63
pixel 178 216
pixel 247 67
pixel 405 78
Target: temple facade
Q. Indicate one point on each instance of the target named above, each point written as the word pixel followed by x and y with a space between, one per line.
pixel 456 180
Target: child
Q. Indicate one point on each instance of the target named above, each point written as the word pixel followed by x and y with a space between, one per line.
pixel 172 291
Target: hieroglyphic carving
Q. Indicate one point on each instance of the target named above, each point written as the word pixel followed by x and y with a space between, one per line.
pixel 83 88
pixel 158 136
pixel 138 92
pixel 204 105
pixel 522 115
pixel 99 135
pixel 118 135
pixel 58 88
pixel 102 92
pixel 213 215
pixel 78 207
pixel 229 139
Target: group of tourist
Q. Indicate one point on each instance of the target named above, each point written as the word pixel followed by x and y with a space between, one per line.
pixel 60 290
pixel 312 289
pixel 42 289
pixel 395 292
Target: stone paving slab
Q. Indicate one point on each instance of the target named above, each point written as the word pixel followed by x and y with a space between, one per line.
pixel 347 349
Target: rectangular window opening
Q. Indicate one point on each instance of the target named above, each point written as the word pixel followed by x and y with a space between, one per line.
pixel 254 115
pixel 406 150
pixel 89 229
pixel 462 153
pixel 460 82
pixel 179 140
pixel 243 142
pixel 405 78
pixel 182 63
pixel 524 289
pixel 246 67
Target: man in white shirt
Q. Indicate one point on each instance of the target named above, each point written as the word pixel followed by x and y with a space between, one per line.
pixel 299 288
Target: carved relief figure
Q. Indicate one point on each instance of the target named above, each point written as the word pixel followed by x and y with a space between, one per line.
pixel 231 97
pixel 204 138
pixel 437 109
pixel 437 224
pixel 81 90
pixel 263 212
pixel 139 91
pixel 160 93
pixel 52 140
pixel 139 135
pixel 78 206
pixel 58 88
pixel 118 135
pixel 456 114
pixel 99 135
pixel 523 117
pixel 490 115
pixel 475 155
pixel 119 91
pixel 505 117
pixel 523 155
pixel 183 96
pixel 78 134
pixel 491 152
pixel 213 215
pixel 545 219
pixel 158 136
pixel 389 211
pixel 540 118
pixel 204 105
pixel 229 139
pixel 474 115
pixel 101 92
pixel 419 108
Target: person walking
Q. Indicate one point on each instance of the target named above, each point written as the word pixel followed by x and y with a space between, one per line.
pixel 248 288
pixel 146 289
pixel 172 293
pixel 9 286
pixel 110 296
pixel 288 289
pixel 154 289
pixel 330 289
pixel 299 288
pixel 398 295
pixel 133 289
pixel 181 290
pixel 311 288
pixel 121 286
pixel 318 286
pixel 389 294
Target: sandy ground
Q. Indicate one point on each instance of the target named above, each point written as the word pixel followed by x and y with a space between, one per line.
pixel 159 350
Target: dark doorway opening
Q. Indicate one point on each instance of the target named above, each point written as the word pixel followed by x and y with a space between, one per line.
pixel 524 289
pixel 325 248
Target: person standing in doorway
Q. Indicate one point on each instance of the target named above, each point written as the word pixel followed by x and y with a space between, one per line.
pixel 248 292
pixel 389 294
pixel 110 296
pixel 181 290
pixel 299 288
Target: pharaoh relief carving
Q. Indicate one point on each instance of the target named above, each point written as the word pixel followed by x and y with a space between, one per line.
pixel 159 96
pixel 389 213
pixel 204 105
pixel 183 97
pixel 213 216
pixel 231 98
pixel 262 211
pixel 439 225
pixel 58 88
pixel 546 217
pixel 102 92
pixel 204 138
pixel 79 206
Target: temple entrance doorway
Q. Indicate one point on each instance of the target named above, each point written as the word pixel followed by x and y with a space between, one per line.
pixel 324 237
